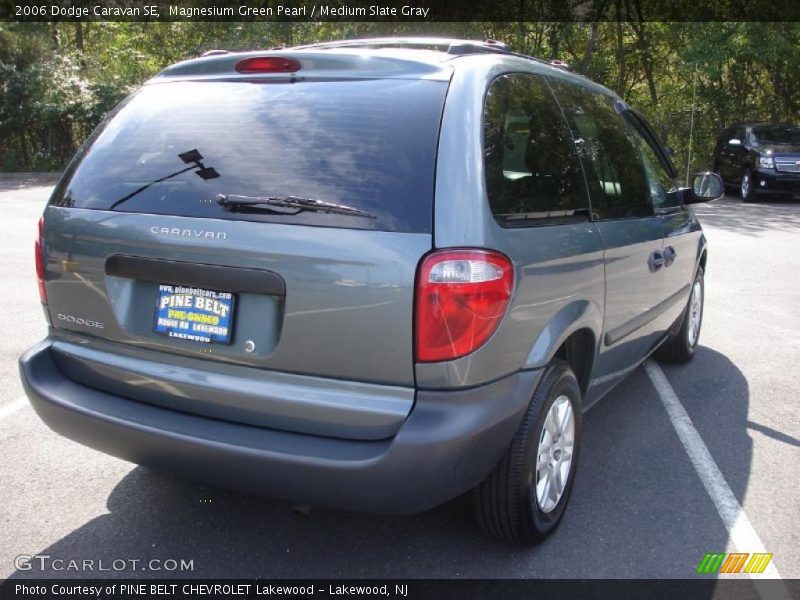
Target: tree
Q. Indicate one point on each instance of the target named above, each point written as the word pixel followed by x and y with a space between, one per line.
pixel 58 80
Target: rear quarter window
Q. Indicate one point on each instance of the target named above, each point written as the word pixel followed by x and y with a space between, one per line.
pixel 173 147
pixel 533 175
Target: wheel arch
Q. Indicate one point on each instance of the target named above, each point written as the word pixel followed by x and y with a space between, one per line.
pixel 571 335
pixel 702 254
pixel 578 351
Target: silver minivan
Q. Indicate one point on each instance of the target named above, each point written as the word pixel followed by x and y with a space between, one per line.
pixel 371 275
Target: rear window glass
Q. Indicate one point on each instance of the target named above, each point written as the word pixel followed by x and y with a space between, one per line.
pixel 173 148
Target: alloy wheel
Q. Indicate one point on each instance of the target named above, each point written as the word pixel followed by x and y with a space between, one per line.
pixel 554 454
pixel 695 312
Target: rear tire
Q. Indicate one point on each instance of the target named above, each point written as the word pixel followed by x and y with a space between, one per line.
pixel 515 503
pixel 746 186
pixel 680 348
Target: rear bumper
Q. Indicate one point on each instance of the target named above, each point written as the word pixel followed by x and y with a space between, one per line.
pixel 240 394
pixel 450 442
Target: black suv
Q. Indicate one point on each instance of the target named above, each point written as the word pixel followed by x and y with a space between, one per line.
pixel 760 158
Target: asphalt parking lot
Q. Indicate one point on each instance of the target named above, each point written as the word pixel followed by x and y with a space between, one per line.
pixel 639 509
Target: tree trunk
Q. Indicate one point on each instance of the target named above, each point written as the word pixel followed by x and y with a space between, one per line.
pixel 591 46
pixel 555 41
pixel 79 36
pixel 645 48
pixel 26 157
pixel 622 75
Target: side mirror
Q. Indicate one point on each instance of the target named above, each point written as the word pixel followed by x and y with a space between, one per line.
pixel 735 142
pixel 706 187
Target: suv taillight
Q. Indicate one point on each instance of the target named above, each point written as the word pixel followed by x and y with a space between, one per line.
pixel 39 254
pixel 461 297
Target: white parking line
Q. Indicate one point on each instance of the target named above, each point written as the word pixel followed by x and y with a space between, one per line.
pixel 10 409
pixel 740 530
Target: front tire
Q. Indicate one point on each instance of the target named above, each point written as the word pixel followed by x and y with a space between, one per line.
pixel 524 498
pixel 680 348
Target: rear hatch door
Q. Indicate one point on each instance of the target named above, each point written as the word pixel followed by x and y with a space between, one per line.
pixel 140 249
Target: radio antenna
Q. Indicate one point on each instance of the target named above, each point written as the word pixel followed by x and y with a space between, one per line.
pixel 691 123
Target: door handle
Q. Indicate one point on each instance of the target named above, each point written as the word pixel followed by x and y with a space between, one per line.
pixel 669 255
pixel 655 261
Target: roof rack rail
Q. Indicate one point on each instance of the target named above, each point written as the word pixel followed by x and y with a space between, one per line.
pixel 475 47
pixel 436 43
pixel 448 45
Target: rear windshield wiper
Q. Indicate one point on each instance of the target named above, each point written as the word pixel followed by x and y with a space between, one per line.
pixel 290 202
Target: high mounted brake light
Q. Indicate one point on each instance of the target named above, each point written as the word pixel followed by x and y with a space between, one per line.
pixel 267 64
pixel 461 297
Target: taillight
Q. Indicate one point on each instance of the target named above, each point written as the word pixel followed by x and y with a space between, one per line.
pixel 461 297
pixel 267 64
pixel 39 255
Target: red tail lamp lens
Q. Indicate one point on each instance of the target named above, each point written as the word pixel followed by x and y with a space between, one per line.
pixel 39 257
pixel 267 64
pixel 461 297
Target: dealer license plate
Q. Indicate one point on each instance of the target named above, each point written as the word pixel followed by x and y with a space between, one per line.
pixel 194 314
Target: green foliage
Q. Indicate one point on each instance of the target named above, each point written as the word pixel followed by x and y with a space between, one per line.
pixel 58 80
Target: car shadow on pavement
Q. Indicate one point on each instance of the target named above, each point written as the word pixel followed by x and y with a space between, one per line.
pixel 638 509
pixel 731 214
pixel 716 396
pixel 774 434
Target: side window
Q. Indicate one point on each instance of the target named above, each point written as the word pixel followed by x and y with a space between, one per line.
pixel 533 175
pixel 609 153
pixel 663 191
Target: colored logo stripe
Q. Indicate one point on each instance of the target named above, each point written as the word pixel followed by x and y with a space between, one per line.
pixel 734 563
pixel 721 562
pixel 758 563
pixel 710 563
